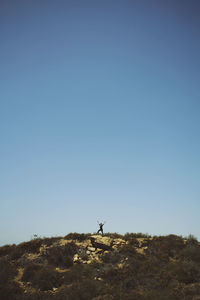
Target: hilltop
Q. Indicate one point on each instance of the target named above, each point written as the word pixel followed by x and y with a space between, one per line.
pixel 92 267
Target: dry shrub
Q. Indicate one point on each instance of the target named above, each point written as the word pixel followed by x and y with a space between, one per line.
pixel 191 252
pixel 128 250
pixel 11 291
pixel 83 290
pixel 131 235
pixel 190 290
pixel 32 246
pixel 78 273
pixel 38 295
pixel 77 236
pixel 183 271
pixel 7 270
pixel 113 235
pixel 161 295
pixel 112 275
pixel 7 249
pixel 61 256
pixel 104 297
pixel 42 277
pixel 192 240
pixel 111 257
pixel 166 246
pixel 48 241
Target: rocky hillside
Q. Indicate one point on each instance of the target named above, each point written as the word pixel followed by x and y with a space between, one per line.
pixel 85 266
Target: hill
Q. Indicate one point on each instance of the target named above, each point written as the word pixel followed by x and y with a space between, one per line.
pixel 92 267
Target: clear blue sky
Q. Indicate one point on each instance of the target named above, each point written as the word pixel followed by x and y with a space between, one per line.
pixel 99 117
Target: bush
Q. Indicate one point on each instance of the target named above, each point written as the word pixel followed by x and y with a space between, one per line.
pixel 7 270
pixel 166 246
pixel 7 249
pixel 128 235
pixel 61 256
pixel 113 235
pixel 83 290
pixel 16 253
pixel 78 273
pixel 32 246
pixel 42 277
pixel 48 241
pixel 77 236
pixel 128 250
pixel 191 252
pixel 11 291
pixel 111 257
pixel 112 276
pixel 183 271
pixel 161 295
pixel 192 240
pixel 38 295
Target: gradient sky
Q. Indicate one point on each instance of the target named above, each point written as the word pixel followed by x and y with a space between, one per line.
pixel 99 117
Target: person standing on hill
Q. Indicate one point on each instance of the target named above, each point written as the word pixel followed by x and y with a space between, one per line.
pixel 100 227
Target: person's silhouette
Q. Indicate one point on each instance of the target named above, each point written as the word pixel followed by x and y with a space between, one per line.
pixel 100 227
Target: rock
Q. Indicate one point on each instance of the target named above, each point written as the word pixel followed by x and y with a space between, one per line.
pixel 102 242
pixel 98 278
pixel 120 266
pixel 119 242
pixel 76 258
pixel 115 247
pixel 91 249
pixel 98 251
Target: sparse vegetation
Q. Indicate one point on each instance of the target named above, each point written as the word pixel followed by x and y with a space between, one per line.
pixel 7 270
pixel 42 277
pixel 136 266
pixel 61 256
pixel 77 236
pixel 113 235
pixel 131 235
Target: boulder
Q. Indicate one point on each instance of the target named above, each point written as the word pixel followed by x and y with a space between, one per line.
pixel 76 258
pixel 92 249
pixel 101 242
